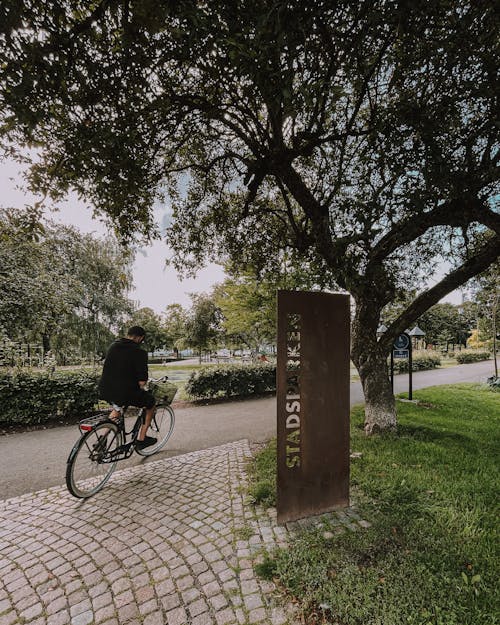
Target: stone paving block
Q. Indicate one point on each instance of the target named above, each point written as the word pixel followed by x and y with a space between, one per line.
pixel 105 613
pixel 148 606
pixel 83 606
pixel 257 616
pixel 85 618
pixel 218 602
pixel 202 619
pixel 225 616
pixel 252 602
pixel 177 617
pixel 59 618
pixel 8 618
pixel 155 618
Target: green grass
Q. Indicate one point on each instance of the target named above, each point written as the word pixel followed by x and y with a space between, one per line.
pixel 430 491
pixel 262 472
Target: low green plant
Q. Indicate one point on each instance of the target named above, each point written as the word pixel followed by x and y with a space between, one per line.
pixel 262 471
pixel 32 398
pixel 467 356
pixel 267 568
pixel 494 383
pixel 430 556
pixel 231 380
pixel 421 361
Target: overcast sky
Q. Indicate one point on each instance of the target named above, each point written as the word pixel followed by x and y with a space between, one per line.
pixel 156 286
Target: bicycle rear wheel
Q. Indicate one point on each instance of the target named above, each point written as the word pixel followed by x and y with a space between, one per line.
pixel 161 428
pixel 90 462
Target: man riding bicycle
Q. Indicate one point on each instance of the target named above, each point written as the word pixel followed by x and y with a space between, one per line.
pixel 124 376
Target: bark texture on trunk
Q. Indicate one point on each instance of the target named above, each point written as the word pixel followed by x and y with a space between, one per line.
pixel 380 407
pixel 371 362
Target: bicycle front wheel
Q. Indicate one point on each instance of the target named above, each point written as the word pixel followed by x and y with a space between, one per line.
pixel 161 428
pixel 90 463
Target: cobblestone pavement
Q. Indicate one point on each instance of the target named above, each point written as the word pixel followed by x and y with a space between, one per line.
pixel 171 542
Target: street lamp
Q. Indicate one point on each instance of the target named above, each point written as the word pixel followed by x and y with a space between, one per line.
pixel 381 330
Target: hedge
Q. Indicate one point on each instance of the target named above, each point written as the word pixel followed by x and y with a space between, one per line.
pixel 472 356
pixel 32 398
pixel 231 380
pixel 421 361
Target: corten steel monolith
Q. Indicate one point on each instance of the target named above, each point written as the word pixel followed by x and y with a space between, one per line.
pixel 313 403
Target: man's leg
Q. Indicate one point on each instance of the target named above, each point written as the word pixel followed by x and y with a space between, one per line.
pixel 147 422
pixel 114 415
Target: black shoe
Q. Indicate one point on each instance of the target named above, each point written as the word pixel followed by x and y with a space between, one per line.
pixel 147 442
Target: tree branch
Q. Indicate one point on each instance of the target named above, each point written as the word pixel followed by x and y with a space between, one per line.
pixel 486 256
pixel 454 213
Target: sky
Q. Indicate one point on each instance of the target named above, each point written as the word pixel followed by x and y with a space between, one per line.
pixel 155 286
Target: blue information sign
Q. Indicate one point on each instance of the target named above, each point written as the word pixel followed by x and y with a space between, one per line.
pixel 400 353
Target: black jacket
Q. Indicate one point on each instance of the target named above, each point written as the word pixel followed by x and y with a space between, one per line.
pixel 125 365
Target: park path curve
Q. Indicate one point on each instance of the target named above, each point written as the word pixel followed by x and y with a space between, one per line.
pixel 30 461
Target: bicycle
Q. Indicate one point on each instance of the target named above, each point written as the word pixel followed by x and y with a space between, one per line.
pixel 104 442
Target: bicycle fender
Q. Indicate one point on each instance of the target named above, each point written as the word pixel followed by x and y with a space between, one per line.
pixel 73 451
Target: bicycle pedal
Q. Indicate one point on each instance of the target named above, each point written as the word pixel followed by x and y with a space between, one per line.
pixel 123 449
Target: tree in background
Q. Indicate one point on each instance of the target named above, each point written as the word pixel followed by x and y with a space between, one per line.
pixel 248 308
pixel 203 324
pixel 175 326
pixel 486 293
pixel 156 335
pixel 361 135
pixel 60 287
pixel 248 301
pixel 445 323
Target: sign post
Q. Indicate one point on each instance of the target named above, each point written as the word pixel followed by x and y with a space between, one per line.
pixel 402 348
pixel 312 403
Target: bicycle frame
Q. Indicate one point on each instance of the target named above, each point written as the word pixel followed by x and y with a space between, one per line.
pixel 125 450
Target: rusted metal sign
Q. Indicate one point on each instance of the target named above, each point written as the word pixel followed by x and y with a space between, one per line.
pixel 313 403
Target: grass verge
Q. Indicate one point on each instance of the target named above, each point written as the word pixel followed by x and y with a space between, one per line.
pixel 430 556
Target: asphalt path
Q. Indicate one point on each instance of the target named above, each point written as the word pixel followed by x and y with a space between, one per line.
pixel 31 461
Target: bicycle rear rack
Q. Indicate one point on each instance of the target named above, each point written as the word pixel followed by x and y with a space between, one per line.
pixel 85 425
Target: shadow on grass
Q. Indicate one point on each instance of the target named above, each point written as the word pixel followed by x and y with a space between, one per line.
pixel 428 434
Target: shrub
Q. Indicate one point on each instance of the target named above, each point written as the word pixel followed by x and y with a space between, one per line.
pixel 231 380
pixel 494 383
pixel 31 398
pixel 471 356
pixel 421 361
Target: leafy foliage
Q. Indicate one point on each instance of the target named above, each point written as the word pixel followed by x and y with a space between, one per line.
pixel 60 287
pixel 202 325
pixel 33 398
pixel 494 383
pixel 232 380
pixel 466 356
pixel 421 361
pixel 156 336
pixel 446 323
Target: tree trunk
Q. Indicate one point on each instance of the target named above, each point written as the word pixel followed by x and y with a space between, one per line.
pixel 371 362
pixel 46 343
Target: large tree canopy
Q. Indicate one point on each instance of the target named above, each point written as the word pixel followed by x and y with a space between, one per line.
pixel 360 135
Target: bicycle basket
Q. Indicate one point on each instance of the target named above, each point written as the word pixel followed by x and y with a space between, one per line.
pixel 163 392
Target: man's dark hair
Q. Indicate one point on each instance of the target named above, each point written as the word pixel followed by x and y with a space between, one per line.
pixel 136 331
